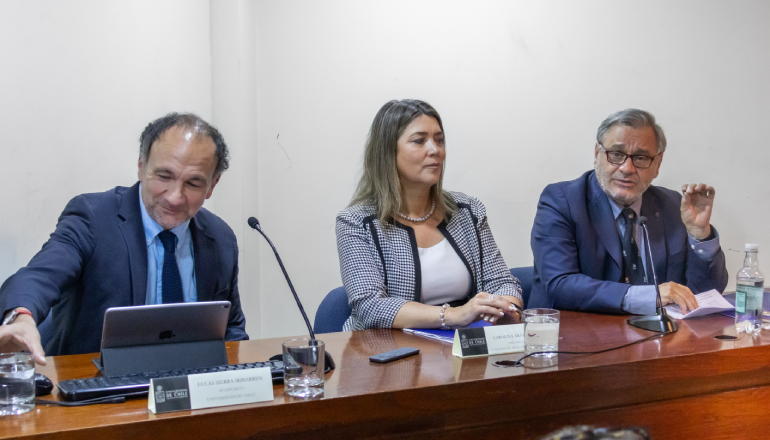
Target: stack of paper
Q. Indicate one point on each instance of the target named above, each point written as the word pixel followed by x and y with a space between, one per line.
pixel 708 303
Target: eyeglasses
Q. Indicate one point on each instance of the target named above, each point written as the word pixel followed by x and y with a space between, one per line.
pixel 619 158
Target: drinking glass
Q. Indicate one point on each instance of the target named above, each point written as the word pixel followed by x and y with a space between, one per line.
pixel 303 367
pixel 17 383
pixel 541 331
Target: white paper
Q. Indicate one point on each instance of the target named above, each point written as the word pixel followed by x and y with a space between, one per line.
pixel 209 390
pixel 505 338
pixel 224 388
pixel 498 339
pixel 708 303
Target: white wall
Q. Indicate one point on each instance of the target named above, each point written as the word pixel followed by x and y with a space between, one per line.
pixel 234 77
pixel 521 86
pixel 79 82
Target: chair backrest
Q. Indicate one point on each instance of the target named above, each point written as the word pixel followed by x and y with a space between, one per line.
pixel 333 312
pixel 525 275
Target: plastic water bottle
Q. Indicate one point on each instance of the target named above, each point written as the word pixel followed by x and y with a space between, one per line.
pixel 749 292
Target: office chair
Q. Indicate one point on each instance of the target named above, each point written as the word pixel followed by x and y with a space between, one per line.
pixel 525 275
pixel 333 312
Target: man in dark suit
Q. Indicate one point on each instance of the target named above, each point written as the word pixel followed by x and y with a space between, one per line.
pixel 589 251
pixel 148 244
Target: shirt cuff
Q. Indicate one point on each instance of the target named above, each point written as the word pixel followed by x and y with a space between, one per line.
pixel 640 300
pixel 706 250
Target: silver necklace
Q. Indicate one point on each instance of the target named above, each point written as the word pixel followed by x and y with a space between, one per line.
pixel 421 219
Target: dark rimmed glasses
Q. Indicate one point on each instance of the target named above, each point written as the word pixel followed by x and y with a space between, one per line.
pixel 619 158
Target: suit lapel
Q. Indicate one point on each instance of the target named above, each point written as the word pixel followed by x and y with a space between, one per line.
pixel 206 261
pixel 603 221
pixel 656 228
pixel 132 229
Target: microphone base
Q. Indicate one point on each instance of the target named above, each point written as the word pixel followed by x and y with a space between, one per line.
pixel 329 364
pixel 661 323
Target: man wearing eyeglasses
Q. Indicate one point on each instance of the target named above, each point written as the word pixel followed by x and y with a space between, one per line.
pixel 590 252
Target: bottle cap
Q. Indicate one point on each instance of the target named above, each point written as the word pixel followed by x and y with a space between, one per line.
pixel 752 247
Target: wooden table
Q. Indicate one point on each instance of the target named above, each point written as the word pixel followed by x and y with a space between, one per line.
pixel 684 386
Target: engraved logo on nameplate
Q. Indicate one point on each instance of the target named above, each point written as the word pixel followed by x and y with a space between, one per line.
pixel 160 395
pixel 473 341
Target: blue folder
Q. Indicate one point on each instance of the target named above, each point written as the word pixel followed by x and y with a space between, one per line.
pixel 449 333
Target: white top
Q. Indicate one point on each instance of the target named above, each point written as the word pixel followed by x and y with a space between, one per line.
pixel 444 275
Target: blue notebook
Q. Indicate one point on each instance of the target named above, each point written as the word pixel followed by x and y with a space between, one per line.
pixel 442 335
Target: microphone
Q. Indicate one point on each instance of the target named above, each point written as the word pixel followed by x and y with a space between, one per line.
pixel 660 321
pixel 254 223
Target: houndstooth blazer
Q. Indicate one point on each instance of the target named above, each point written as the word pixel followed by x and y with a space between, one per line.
pixel 380 264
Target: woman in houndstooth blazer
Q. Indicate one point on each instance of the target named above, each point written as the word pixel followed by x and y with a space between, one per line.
pixel 411 254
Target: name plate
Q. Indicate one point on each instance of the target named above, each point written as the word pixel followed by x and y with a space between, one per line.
pixel 484 341
pixel 209 390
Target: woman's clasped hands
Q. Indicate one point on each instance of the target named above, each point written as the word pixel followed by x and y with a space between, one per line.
pixel 494 309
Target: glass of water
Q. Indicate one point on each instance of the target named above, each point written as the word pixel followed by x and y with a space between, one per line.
pixel 17 383
pixel 303 367
pixel 541 331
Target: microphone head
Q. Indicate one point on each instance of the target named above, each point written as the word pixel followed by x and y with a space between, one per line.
pixel 641 220
pixel 253 222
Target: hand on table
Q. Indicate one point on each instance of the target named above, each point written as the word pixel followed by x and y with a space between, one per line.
pixel 681 295
pixel 494 309
pixel 514 315
pixel 21 335
pixel 697 203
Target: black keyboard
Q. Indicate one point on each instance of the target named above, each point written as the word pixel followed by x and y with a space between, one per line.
pixel 139 384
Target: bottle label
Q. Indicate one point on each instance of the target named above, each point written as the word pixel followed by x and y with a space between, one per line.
pixel 748 298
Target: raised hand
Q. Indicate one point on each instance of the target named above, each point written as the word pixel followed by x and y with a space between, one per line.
pixel 697 203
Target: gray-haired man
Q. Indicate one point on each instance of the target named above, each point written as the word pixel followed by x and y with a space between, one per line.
pixel 589 250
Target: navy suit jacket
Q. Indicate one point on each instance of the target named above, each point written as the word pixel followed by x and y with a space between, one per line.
pixel 577 249
pixel 97 259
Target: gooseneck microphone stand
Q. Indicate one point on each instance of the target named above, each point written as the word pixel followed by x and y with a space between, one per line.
pixel 254 223
pixel 660 321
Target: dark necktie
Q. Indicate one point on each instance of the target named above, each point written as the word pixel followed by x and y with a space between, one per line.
pixel 632 261
pixel 172 282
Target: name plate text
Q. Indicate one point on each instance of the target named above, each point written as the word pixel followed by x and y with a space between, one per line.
pixel 209 390
pixel 485 341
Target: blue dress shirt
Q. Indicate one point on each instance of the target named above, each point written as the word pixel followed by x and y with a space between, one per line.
pixel 156 253
pixel 641 299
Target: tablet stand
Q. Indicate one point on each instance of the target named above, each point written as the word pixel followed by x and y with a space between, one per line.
pixel 121 361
